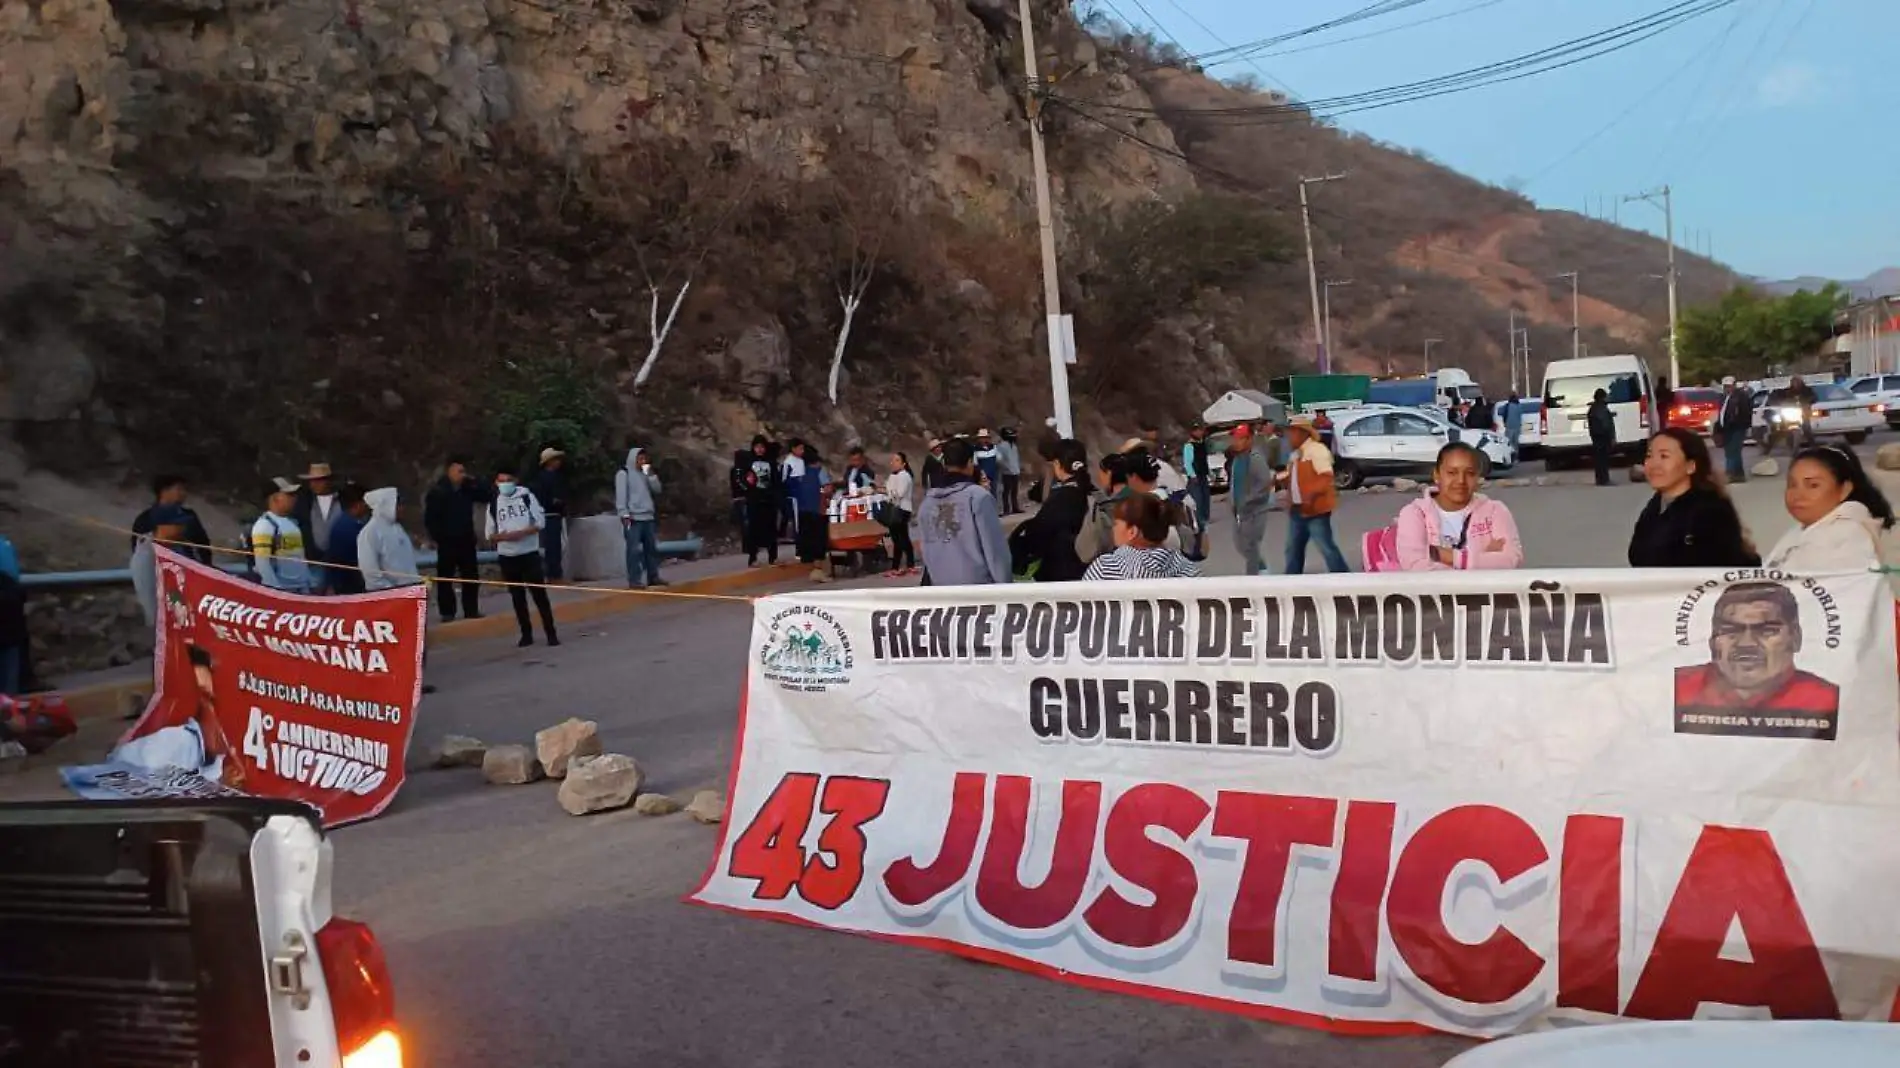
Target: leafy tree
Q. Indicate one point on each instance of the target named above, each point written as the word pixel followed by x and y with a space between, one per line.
pixel 1149 260
pixel 1749 334
pixel 544 400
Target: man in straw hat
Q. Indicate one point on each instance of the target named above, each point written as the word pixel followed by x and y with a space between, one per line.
pixel 550 488
pixel 1311 498
pixel 316 510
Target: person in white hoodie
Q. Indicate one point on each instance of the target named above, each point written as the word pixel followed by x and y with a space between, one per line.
pixel 1844 518
pixel 515 520
pixel 634 488
pixel 383 550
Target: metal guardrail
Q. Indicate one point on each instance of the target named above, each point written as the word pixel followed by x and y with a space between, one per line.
pixel 686 549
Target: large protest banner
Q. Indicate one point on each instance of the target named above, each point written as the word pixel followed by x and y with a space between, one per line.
pixel 1472 802
pixel 272 694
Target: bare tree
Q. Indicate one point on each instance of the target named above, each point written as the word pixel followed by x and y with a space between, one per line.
pixel 865 213
pixel 685 199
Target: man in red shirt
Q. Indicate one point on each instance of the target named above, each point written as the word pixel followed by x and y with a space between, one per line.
pixel 1751 685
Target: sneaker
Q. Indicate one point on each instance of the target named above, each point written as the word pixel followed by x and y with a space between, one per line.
pixel 526 640
pixel 896 572
pixel 659 582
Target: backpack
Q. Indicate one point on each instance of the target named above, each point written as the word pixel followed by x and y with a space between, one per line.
pixel 1097 535
pixel 1380 549
pixel 35 723
pixel 250 551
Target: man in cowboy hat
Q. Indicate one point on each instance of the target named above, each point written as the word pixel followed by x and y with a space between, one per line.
pixel 1311 498
pixel 550 488
pixel 934 471
pixel 316 510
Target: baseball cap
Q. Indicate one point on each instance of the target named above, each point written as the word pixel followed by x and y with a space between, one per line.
pixel 1728 380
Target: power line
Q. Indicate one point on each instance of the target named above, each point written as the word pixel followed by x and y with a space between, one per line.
pixel 1728 103
pixel 1714 42
pixel 1481 5
pixel 1695 95
pixel 1216 38
pixel 1237 53
pixel 1555 57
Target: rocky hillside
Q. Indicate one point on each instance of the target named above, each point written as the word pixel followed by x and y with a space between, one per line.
pixel 236 235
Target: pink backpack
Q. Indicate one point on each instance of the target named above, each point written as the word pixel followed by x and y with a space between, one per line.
pixel 1380 548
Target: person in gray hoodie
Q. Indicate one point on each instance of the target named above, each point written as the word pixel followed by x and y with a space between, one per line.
pixel 634 487
pixel 962 536
pixel 1251 469
pixel 383 550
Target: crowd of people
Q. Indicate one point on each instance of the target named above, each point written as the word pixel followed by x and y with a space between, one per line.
pixel 1132 514
pixel 319 535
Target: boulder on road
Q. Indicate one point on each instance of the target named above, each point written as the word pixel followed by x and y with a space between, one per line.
pixel 459 751
pixel 708 806
pixel 510 765
pixel 1404 485
pixel 1887 457
pixel 557 746
pixel 598 784
pixel 1766 467
pixel 655 805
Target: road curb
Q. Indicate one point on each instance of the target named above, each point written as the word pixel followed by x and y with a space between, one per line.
pixel 109 698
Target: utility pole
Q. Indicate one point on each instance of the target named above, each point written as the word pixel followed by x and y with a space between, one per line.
pixel 1046 225
pixel 1326 338
pixel 1576 324
pixel 1669 235
pixel 1429 342
pixel 1510 339
pixel 1312 270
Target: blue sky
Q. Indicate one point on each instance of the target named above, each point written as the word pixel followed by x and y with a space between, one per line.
pixel 1777 122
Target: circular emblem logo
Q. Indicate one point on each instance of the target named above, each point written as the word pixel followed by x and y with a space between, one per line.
pixel 806 650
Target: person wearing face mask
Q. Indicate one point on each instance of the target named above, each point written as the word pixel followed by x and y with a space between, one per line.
pixel 1043 547
pixel 1143 523
pixel 1689 520
pixel 1456 528
pixel 514 526
pixel 1843 516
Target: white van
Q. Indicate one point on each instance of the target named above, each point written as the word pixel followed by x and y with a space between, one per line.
pixel 1570 386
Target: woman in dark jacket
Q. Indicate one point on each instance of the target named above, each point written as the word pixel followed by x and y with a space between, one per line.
pixel 1689 521
pixel 1046 541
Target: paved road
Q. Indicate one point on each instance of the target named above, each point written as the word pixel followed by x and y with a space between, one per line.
pixel 522 936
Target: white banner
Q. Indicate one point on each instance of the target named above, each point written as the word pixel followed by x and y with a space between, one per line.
pixel 1469 801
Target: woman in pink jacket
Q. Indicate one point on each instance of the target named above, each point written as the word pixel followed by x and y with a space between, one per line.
pixel 1458 529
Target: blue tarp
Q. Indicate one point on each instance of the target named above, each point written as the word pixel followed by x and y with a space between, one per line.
pixel 1408 394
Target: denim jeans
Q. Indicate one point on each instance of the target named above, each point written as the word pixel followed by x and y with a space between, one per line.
pixel 1203 498
pixel 552 537
pixel 1318 528
pixel 1732 443
pixel 11 664
pixel 643 552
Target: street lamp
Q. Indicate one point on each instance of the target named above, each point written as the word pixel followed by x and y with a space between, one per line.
pixel 1429 342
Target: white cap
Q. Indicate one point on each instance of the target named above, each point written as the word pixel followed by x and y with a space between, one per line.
pixel 1728 380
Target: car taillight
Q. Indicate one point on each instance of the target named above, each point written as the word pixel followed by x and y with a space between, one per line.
pixel 362 1001
pixel 1683 409
pixel 1543 422
pixel 1642 411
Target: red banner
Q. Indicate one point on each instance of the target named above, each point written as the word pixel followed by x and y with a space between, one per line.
pixel 274 694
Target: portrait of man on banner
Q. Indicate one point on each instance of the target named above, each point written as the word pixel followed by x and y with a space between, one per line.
pixel 1752 685
pixel 195 741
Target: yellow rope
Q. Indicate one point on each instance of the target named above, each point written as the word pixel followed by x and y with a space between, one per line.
pixel 100 524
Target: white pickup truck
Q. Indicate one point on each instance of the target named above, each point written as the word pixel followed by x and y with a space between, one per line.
pixel 188 933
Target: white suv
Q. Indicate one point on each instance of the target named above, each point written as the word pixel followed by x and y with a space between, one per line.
pixel 1883 389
